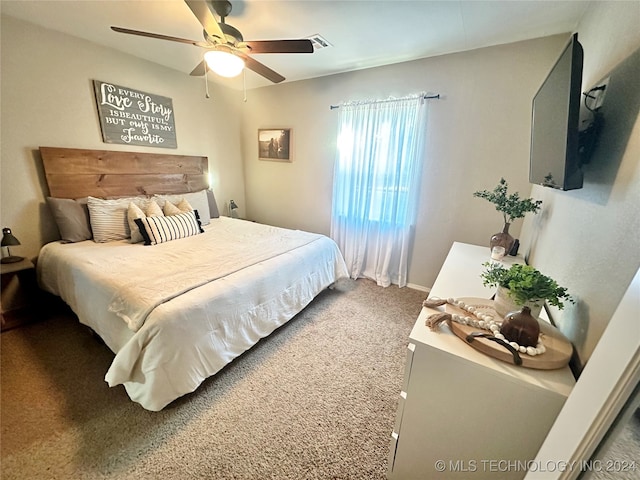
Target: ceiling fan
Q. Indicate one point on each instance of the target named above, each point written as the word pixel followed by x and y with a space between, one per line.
pixel 227 52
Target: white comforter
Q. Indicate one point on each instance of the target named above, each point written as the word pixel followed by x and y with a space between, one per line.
pixel 177 312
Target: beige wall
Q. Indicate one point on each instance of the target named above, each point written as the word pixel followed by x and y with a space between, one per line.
pixel 47 100
pixel 589 239
pixel 478 132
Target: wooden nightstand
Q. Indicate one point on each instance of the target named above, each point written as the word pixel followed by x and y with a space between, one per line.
pixel 18 286
pixel 24 264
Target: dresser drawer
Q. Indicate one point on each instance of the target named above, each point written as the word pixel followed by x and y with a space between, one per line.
pixel 400 412
pixel 408 364
pixel 392 454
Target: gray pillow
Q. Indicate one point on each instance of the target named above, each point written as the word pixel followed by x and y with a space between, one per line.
pixel 72 218
pixel 213 206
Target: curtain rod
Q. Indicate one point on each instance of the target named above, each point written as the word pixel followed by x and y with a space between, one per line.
pixel 426 97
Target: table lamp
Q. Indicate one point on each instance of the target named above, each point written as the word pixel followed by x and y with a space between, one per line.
pixel 8 240
pixel 232 209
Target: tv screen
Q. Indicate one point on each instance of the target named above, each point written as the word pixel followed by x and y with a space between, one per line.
pixel 555 160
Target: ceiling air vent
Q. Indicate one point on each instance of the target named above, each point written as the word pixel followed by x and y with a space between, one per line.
pixel 319 42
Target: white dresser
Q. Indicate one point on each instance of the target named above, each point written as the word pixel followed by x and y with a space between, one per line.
pixel 463 414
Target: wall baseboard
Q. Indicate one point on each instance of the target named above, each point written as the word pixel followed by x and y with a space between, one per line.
pixel 418 287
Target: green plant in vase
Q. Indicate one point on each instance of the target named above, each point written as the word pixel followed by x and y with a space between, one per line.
pixel 512 207
pixel 522 285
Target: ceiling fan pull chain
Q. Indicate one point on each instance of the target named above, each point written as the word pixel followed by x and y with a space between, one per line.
pixel 206 82
pixel 244 84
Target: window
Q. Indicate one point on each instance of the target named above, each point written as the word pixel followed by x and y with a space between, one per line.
pixel 376 183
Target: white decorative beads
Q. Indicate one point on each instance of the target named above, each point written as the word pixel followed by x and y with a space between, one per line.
pixel 486 321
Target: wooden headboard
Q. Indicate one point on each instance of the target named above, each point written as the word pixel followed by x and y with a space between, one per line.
pixel 77 173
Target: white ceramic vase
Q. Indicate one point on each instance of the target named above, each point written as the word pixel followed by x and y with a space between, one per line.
pixel 504 304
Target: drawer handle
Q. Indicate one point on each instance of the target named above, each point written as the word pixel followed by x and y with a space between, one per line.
pixel 516 356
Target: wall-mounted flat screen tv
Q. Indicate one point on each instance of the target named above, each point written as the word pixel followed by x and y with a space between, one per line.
pixel 555 157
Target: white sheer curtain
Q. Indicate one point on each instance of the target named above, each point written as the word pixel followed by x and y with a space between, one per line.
pixel 376 185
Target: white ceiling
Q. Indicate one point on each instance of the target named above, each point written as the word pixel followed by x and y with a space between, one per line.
pixel 363 33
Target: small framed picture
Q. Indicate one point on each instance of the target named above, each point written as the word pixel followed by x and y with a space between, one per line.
pixel 274 144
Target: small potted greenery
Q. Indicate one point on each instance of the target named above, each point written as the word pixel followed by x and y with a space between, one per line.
pixel 522 285
pixel 512 208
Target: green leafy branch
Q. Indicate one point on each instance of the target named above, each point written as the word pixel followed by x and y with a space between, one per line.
pixel 511 206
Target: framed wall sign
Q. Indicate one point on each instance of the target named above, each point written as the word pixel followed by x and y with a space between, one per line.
pixel 274 144
pixel 132 117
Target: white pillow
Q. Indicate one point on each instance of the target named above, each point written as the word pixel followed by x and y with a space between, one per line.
pixel 185 206
pixel 164 229
pixel 171 209
pixel 152 209
pixel 109 217
pixel 198 200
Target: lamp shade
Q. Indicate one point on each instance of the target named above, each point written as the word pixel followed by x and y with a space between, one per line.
pixel 8 239
pixel 224 63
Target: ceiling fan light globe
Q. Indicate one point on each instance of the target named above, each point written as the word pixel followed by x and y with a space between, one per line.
pixel 223 63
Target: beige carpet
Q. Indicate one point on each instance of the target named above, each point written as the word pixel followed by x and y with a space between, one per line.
pixel 315 400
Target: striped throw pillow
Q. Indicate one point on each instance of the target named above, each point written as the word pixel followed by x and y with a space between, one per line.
pixel 156 230
pixel 109 217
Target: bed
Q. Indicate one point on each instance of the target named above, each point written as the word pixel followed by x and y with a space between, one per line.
pixel 173 311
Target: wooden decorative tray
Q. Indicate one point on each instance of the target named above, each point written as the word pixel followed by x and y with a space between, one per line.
pixel 558 348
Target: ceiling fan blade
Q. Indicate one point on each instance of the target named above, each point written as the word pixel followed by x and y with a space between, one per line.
pixel 199 71
pixel 201 10
pixel 159 36
pixel 280 46
pixel 260 69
